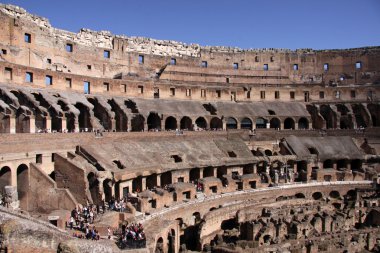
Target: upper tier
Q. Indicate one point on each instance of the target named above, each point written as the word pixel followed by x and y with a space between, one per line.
pixel 30 45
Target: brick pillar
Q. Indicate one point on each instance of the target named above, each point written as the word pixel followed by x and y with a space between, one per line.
pixel 12 124
pixel 113 125
pixel 32 122
pixel 63 123
pixel 76 125
pixel 143 183
pixel 48 123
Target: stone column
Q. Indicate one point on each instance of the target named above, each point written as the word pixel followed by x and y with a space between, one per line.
pixel 76 125
pixel 255 168
pixel 143 183
pixel 63 123
pixel 158 180
pixel 129 125
pixel 48 123
pixel 113 125
pixel 12 124
pixel 295 125
pixel 32 122
pixel 201 173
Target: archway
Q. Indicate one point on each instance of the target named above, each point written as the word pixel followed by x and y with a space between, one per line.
pixel 246 123
pixel 137 184
pixel 5 123
pixel 159 246
pixel 303 123
pixel 23 185
pixel 208 172
pixel 93 184
pixel 329 116
pixel 361 115
pixel 261 123
pixel 342 164
pixel 154 121
pixel 356 165
pixel 186 123
pixel 374 110
pixel 317 195
pixel 194 174
pixel 345 117
pixel 300 196
pixel 231 123
pixel 5 177
pixel 166 178
pixel 137 123
pixel 170 123
pixel 289 123
pixel 216 123
pixel 328 164
pixel 201 123
pixel 151 181
pixel 102 114
pixel 275 123
pixel 334 194
pixel 84 117
pixel 22 123
pixel 171 241
pixel 107 188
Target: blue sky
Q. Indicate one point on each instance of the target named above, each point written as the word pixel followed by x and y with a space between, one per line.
pixel 318 24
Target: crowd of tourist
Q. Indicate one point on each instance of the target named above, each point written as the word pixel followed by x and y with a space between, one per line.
pixel 132 236
pixel 80 220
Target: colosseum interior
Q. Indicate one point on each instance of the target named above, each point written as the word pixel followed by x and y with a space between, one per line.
pixel 212 149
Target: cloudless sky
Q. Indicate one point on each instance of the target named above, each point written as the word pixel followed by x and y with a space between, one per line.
pixel 318 24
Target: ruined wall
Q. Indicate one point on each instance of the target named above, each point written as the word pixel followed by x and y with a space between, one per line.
pixel 71 177
pixel 52 199
pixel 169 64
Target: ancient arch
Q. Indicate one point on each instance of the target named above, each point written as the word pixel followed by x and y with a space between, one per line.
pixel 84 117
pixel 201 122
pixel 151 181
pixel 329 115
pixel 107 188
pixel 334 194
pixel 261 123
pixel 170 123
pixel 121 119
pixel 328 164
pixel 194 174
pixel 22 121
pixel 159 246
pixel 231 123
pixel 23 185
pixel 303 123
pixel 289 123
pixel 137 184
pixel 154 121
pixel 101 113
pixel 374 110
pixel 275 123
pixel 5 177
pixel 216 123
pixel 5 123
pixel 361 115
pixel 246 123
pixel 317 195
pixel 166 178
pixel 208 172
pixel 93 184
pixel 346 121
pixel 137 123
pixel 186 123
